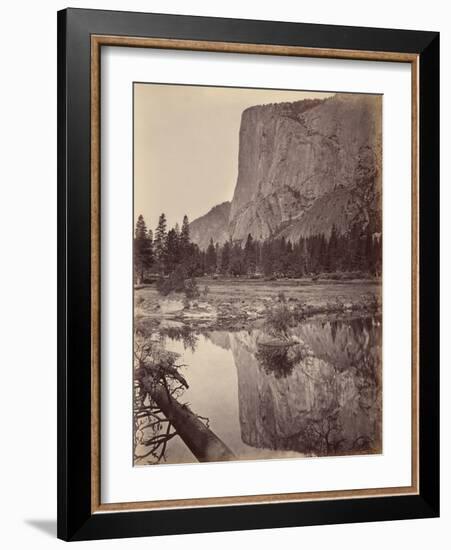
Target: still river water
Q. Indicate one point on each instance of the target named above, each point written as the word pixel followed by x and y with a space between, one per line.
pixel 319 394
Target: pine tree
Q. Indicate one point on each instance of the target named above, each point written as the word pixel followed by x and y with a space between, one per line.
pixel 249 255
pixel 172 251
pixel 142 250
pixel 356 249
pixel 332 250
pixel 236 265
pixel 184 238
pixel 194 263
pixel 288 260
pixel 160 242
pixel 377 252
pixel 322 252
pixel 218 257
pixel 301 258
pixel 141 228
pixel 258 251
pixel 225 258
pixel 210 258
pixel 369 253
pixel 267 258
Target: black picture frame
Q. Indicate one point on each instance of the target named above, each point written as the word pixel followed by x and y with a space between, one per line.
pixel 75 518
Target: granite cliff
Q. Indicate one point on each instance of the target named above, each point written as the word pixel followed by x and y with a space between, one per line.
pixel 302 167
pixel 213 225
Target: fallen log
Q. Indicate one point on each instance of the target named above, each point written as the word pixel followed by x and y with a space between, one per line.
pixel 201 441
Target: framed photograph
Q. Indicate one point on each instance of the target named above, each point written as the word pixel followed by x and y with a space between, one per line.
pixel 248 274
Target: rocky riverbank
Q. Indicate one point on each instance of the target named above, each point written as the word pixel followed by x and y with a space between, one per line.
pixel 226 304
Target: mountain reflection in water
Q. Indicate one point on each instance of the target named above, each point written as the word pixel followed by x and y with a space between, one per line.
pixel 315 392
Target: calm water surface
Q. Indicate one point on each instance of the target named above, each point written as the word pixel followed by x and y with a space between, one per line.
pixel 317 392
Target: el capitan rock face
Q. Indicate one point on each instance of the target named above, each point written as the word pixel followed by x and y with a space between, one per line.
pixel 298 162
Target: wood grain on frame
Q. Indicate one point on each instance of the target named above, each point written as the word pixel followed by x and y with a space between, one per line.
pixel 97 42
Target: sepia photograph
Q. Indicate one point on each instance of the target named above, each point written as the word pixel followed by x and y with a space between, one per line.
pixel 257 274
pixel 248 273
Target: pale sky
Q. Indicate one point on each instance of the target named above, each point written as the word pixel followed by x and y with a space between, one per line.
pixel 186 146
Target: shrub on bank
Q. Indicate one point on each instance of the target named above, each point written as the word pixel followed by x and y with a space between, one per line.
pixel 191 289
pixel 177 281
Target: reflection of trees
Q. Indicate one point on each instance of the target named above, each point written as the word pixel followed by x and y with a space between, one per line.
pixel 326 433
pixel 184 334
pixel 322 436
pixel 155 330
pixel 279 360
